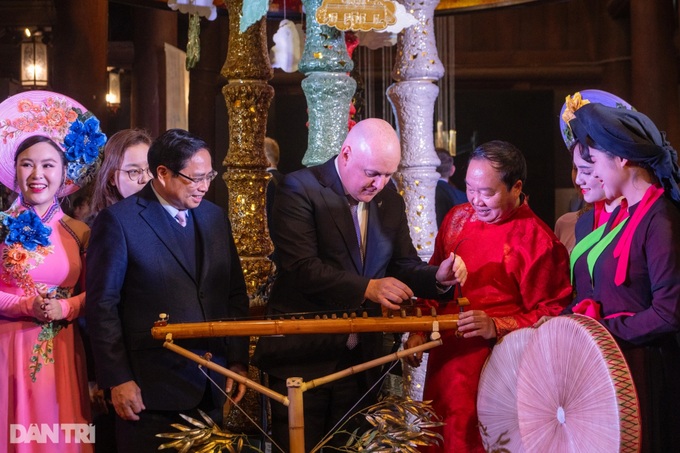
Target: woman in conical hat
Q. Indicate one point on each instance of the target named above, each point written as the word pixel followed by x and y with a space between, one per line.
pixel 50 146
pixel 632 263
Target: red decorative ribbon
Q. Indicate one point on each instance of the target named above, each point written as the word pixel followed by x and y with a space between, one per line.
pixel 588 307
pixel 592 309
pixel 622 250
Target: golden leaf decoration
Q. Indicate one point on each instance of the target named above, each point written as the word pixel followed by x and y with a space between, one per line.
pixel 573 103
pixel 398 425
pixel 205 436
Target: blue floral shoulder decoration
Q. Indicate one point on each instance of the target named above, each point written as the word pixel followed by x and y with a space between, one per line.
pixel 27 242
pixel 27 230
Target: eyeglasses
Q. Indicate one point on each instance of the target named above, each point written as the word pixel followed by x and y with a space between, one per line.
pixel 137 174
pixel 196 181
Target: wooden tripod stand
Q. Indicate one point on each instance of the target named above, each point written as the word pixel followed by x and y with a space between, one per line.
pixel 296 386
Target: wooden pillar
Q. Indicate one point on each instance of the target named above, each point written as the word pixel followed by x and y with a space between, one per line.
pixel 654 65
pixel 205 85
pixel 152 29
pixel 247 97
pixel 205 81
pixel 80 44
pixel 615 48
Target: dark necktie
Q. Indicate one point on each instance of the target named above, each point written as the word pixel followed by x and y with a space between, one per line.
pixel 353 338
pixel 354 209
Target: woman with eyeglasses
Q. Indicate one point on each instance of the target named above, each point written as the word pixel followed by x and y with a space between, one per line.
pixel 124 171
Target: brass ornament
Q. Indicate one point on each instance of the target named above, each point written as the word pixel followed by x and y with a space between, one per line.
pixel 358 15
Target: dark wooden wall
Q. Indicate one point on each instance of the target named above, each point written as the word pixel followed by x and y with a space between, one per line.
pixel 627 47
pixel 521 61
pixel 518 64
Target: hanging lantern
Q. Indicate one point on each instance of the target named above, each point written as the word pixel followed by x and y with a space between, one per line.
pixel 34 67
pixel 113 92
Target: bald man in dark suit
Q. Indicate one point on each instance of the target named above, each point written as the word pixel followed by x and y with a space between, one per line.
pixel 329 262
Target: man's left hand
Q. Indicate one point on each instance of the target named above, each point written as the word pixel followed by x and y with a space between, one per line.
pixel 240 393
pixel 452 271
pixel 476 323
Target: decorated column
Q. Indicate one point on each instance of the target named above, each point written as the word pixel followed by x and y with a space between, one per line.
pixel 248 96
pixel 412 97
pixel 327 87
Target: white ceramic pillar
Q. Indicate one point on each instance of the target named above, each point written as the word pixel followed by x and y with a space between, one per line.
pixel 412 95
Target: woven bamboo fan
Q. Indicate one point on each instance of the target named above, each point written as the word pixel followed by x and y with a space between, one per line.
pixel 574 391
pixel 497 397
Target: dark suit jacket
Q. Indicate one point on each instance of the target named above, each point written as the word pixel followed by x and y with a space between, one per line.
pixel 446 197
pixel 276 178
pixel 135 271
pixel 320 268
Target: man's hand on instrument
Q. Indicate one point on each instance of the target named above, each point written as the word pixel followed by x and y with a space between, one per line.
pixel 241 390
pixel 476 323
pixel 542 321
pixel 452 271
pixel 414 339
pixel 388 292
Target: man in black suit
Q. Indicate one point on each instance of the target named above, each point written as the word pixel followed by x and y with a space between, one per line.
pixel 327 262
pixel 446 195
pixel 163 250
pixel 272 153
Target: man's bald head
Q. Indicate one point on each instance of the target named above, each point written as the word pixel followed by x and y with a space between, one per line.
pixel 368 158
pixel 375 136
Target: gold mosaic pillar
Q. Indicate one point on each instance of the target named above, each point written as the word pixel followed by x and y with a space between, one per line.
pixel 248 96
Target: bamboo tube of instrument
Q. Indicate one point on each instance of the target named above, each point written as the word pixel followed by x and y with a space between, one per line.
pixel 303 326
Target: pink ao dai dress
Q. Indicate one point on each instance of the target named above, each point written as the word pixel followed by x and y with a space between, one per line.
pixel 48 413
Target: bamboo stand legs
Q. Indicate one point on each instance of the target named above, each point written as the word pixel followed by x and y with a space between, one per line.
pixel 296 416
pixel 296 386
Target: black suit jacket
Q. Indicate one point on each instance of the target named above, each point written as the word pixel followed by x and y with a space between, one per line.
pixel 135 271
pixel 320 267
pixel 446 197
pixel 276 178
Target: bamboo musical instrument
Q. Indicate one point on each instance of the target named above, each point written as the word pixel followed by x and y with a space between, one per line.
pixel 325 324
pixel 163 330
pixel 296 386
